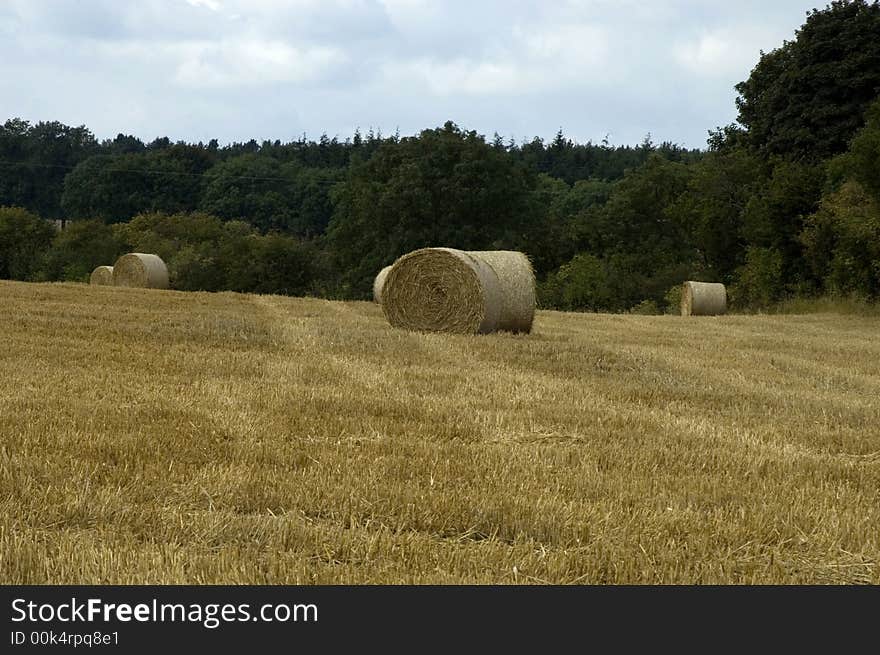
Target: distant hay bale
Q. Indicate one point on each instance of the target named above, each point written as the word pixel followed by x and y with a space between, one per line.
pixel 467 292
pixel 379 283
pixel 140 270
pixel 103 275
pixel 703 299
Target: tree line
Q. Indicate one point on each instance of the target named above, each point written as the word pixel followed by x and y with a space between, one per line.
pixel 784 202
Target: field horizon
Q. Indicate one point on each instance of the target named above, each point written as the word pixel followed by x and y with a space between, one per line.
pixel 165 437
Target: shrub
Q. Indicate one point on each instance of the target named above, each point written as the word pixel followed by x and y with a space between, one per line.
pixel 672 300
pixel 24 240
pixel 646 308
pixel 759 282
pixel 78 249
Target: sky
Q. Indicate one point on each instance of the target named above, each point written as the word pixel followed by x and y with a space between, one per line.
pixel 234 70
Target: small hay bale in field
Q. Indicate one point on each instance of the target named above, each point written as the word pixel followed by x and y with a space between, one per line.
pixel 379 283
pixel 102 275
pixel 137 269
pixel 703 299
pixel 467 292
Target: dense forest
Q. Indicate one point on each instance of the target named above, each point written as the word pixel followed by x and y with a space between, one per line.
pixel 784 202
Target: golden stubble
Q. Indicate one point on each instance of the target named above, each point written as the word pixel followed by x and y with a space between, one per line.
pixel 163 437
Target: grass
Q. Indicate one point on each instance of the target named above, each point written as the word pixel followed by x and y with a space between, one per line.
pixel 165 437
pixel 827 304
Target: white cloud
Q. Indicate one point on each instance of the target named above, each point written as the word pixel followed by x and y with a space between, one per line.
pixel 526 66
pixel 571 45
pixel 461 76
pixel 251 62
pixel 528 62
pixel 725 52
pixel 213 5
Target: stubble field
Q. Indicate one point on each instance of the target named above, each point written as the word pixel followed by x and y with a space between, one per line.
pixel 166 437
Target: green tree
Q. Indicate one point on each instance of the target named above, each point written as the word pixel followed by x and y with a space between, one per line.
pixel 34 159
pixel 255 188
pixel 271 194
pixel 632 247
pixel 774 215
pixel 637 232
pixel 861 163
pixel 712 208
pixel 445 187
pixel 807 98
pixel 114 188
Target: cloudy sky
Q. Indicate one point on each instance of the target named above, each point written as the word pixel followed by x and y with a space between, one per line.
pixel 275 69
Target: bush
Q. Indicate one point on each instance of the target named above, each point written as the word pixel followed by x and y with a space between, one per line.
pixel 204 253
pixel 78 249
pixel 759 282
pixel 842 242
pixel 672 300
pixel 646 308
pixel 277 264
pixel 581 284
pixel 24 240
pixel 196 268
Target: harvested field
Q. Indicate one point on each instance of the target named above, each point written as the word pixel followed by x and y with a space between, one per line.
pixel 165 437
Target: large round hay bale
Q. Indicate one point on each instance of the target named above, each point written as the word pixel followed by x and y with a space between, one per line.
pixel 379 283
pixel 468 292
pixel 102 275
pixel 703 299
pixel 137 269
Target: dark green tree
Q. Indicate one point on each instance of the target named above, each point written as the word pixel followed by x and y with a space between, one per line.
pixel 271 194
pixel 861 163
pixel 34 159
pixel 632 247
pixel 114 188
pixel 774 215
pixel 445 187
pixel 807 98
pixel 711 209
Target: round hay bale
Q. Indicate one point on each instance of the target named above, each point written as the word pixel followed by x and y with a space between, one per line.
pixel 137 269
pixel 102 275
pixel 378 283
pixel 703 299
pixel 466 292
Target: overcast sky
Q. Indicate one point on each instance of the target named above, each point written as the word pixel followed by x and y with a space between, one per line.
pixel 274 69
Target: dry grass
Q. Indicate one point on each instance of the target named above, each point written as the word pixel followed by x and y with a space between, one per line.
pixel 162 437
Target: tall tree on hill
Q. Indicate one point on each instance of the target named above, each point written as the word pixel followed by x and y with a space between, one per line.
pixel 443 187
pixel 114 188
pixel 711 209
pixel 271 194
pixel 34 159
pixel 807 98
